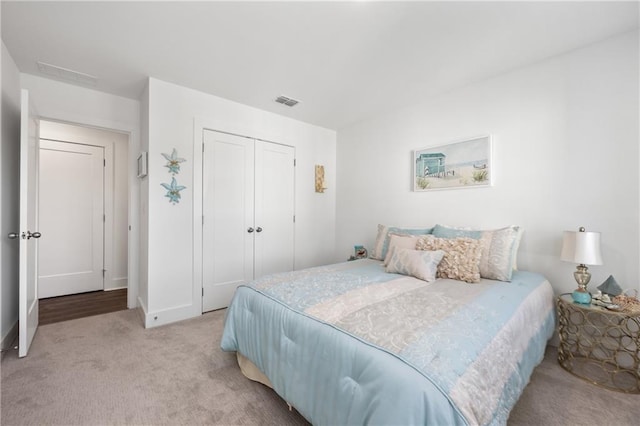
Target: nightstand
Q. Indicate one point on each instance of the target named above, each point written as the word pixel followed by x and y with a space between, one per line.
pixel 599 345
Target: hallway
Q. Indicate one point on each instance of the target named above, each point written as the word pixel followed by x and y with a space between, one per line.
pixel 64 308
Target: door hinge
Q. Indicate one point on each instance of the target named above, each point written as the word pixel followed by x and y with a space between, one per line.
pixel 104 217
pixel 203 291
pixel 104 271
pixel 294 162
pixel 104 162
pixel 294 218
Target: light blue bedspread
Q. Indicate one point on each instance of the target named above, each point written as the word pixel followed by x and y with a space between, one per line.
pixel 351 344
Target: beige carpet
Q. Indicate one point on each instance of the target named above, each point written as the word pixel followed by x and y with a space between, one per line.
pixel 107 369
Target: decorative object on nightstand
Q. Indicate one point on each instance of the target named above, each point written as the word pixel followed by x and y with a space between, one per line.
pixel 360 252
pixel 610 286
pixel 583 248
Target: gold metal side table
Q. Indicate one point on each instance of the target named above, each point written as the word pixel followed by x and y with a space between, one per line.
pixel 599 345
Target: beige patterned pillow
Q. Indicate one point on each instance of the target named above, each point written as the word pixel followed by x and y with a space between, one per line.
pixel 416 263
pixel 461 260
pixel 400 241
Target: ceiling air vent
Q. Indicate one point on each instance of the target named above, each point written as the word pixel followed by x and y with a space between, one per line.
pixel 67 74
pixel 286 101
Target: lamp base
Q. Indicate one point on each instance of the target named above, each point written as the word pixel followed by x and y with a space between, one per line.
pixel 582 296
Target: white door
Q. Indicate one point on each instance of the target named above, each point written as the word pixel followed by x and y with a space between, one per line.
pixel 274 208
pixel 71 215
pixel 228 222
pixel 28 235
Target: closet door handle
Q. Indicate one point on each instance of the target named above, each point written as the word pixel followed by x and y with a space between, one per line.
pixel 258 229
pixel 250 230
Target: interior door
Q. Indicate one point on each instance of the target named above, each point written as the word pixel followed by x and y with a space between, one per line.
pixel 228 221
pixel 71 215
pixel 28 235
pixel 274 208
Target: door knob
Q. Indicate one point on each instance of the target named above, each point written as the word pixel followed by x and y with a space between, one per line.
pixel 12 235
pixel 31 235
pixel 258 229
pixel 250 230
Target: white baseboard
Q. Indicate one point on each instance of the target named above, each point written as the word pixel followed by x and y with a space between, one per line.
pixel 8 339
pixel 115 288
pixel 167 316
pixel 116 283
pixel 141 309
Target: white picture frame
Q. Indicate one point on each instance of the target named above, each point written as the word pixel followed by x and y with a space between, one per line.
pixel 460 164
pixel 142 165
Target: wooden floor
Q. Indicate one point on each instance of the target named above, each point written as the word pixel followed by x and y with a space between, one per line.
pixel 63 308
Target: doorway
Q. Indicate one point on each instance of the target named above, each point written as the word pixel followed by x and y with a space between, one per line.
pixel 71 211
pixel 83 210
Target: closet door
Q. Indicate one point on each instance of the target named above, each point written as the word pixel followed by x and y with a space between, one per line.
pixel 274 208
pixel 228 216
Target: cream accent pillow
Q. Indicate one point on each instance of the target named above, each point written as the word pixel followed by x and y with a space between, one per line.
pixel 400 241
pixel 499 248
pixel 416 263
pixel 461 260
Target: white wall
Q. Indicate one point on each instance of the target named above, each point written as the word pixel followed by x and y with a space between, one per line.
pixel 117 224
pixel 63 102
pixel 565 155
pixel 174 290
pixel 9 197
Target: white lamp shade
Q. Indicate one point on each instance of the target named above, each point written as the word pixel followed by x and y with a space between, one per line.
pixel 581 247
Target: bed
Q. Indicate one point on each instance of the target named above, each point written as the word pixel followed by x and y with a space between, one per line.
pixel 352 344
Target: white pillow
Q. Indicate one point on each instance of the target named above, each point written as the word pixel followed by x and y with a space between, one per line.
pixel 416 263
pixel 400 241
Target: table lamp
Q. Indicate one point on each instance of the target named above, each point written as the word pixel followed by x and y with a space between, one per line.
pixel 582 248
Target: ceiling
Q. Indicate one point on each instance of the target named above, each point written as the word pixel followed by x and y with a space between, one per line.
pixel 345 61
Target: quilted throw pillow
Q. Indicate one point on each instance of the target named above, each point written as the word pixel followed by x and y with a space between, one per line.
pixel 461 259
pixel 416 263
pixel 499 248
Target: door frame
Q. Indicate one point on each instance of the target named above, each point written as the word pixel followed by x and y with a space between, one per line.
pixel 133 243
pixel 200 124
pixel 108 199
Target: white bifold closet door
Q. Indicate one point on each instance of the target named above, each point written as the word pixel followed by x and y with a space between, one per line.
pixel 248 213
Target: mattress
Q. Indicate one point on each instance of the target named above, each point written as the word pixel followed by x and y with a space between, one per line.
pixel 351 344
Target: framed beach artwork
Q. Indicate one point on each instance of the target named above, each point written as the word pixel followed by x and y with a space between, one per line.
pixel 464 164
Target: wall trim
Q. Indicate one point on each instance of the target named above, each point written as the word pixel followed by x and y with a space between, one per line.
pixel 141 309
pixel 167 316
pixel 115 288
pixel 117 284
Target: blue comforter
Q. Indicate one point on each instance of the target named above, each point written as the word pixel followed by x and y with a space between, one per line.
pixel 352 344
